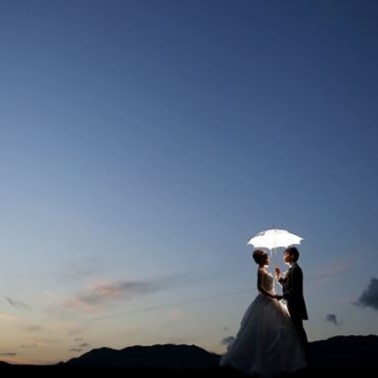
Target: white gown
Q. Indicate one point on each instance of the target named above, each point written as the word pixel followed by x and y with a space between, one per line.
pixel 267 342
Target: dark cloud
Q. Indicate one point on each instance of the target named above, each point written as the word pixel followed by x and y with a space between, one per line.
pixel 80 346
pixel 332 318
pixel 17 304
pixel 369 297
pixel 227 340
pixel 75 350
pixel 6 354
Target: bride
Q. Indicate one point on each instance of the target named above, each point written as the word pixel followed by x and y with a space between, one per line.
pixel 267 342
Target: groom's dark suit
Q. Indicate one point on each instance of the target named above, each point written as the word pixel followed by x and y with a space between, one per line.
pixel 292 290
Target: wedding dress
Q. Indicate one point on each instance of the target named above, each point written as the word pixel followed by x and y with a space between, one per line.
pixel 267 342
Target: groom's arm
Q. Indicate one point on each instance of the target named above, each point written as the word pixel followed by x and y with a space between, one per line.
pixel 281 278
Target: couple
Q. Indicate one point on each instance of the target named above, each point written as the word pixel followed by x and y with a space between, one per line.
pixel 271 338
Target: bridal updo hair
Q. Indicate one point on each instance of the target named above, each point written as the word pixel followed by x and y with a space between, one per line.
pixel 259 255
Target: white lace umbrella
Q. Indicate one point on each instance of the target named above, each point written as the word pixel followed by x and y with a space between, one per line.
pixel 274 238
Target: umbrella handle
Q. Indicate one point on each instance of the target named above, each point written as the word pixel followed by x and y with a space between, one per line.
pixel 275 257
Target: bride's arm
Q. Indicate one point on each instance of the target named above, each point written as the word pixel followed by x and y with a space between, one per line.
pixel 260 287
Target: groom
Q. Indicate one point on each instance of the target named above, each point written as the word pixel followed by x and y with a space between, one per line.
pixel 292 290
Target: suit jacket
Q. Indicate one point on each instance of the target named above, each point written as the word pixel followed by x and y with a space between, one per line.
pixel 292 290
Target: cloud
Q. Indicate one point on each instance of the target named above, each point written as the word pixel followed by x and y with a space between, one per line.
pixel 121 289
pixel 369 297
pixel 17 304
pixel 94 297
pixel 79 270
pixel 332 318
pixel 7 354
pixel 331 270
pixel 228 340
pixel 33 328
pixel 70 327
pixel 175 304
pixel 82 345
pixel 8 317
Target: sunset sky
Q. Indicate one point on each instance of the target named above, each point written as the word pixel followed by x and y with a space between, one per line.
pixel 143 142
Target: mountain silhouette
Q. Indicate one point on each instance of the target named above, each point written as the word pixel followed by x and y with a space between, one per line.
pixel 345 351
pixel 167 355
pixel 334 357
pixel 335 352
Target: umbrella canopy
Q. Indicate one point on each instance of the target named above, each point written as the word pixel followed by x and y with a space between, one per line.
pixel 274 238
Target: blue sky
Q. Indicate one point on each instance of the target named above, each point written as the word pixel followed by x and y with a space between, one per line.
pixel 142 143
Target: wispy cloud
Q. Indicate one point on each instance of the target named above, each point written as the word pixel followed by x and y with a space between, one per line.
pixel 227 340
pixel 8 317
pixel 40 342
pixel 12 319
pixel 7 354
pixel 17 304
pixel 332 270
pixel 99 294
pixel 79 270
pixel 176 304
pixel 81 345
pixel 75 350
pixel 73 328
pixel 33 328
pixel 369 297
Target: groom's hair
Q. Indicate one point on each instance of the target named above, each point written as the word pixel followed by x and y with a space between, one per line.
pixel 293 251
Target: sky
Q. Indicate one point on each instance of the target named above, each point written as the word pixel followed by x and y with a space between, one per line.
pixel 144 142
